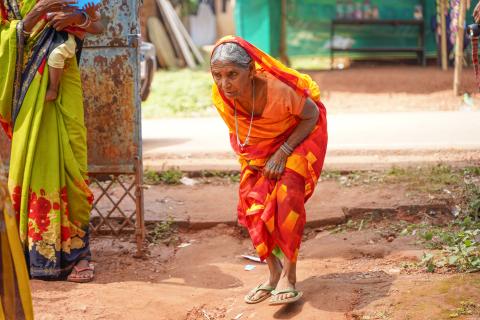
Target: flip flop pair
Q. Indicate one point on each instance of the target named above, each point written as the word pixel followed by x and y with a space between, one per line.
pixel 271 292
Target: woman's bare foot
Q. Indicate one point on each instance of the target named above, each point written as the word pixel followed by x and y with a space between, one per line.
pixel 275 268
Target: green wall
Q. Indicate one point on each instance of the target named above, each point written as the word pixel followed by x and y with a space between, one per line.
pixel 308 26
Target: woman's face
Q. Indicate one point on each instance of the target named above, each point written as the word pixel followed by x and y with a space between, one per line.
pixel 231 79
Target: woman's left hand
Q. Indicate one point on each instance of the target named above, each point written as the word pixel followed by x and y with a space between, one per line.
pixel 275 165
pixel 61 20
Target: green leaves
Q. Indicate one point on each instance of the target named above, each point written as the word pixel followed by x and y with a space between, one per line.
pixel 166 176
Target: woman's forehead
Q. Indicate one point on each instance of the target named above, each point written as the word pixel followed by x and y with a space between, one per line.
pixel 222 66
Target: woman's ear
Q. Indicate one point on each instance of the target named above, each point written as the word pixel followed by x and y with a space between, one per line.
pixel 252 70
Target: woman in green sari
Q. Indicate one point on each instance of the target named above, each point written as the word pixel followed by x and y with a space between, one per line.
pixel 15 298
pixel 48 163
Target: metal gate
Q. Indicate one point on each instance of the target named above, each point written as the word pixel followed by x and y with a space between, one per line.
pixel 110 66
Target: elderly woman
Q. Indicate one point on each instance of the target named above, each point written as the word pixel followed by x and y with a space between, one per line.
pixel 278 129
pixel 48 165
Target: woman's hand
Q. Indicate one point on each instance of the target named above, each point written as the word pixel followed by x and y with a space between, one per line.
pixel 91 10
pixel 46 6
pixel 61 20
pixel 43 7
pixel 275 165
pixel 476 13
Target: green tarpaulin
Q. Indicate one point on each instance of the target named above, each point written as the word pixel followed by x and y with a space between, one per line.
pixel 308 27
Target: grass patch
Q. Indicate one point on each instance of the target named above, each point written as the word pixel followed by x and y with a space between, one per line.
pixel 232 177
pixel 164 232
pixel 435 179
pixel 453 247
pixel 459 242
pixel 467 308
pixel 181 93
pixel 427 179
pixel 173 176
pixel 170 176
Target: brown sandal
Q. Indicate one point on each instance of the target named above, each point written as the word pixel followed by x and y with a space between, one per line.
pixel 75 276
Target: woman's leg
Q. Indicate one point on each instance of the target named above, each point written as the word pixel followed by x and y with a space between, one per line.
pixel 275 269
pixel 287 280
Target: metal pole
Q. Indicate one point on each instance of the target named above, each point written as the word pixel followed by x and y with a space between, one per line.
pixel 139 221
pixel 459 47
pixel 139 218
pixel 283 33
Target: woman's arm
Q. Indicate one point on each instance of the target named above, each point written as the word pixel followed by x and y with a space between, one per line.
pixel 41 8
pixel 61 20
pixel 308 119
pixel 95 28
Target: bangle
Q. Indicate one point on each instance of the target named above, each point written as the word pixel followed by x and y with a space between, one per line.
pixel 87 22
pixel 285 150
pixel 287 146
pixel 26 33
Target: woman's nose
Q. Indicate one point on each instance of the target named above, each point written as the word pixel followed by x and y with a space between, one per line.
pixel 226 84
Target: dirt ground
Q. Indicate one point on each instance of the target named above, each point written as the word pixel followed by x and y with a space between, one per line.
pixel 389 88
pixel 345 275
pixel 360 271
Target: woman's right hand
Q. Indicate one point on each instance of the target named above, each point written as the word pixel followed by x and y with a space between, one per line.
pixel 55 5
pixel 42 7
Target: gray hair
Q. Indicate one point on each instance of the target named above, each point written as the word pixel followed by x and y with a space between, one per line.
pixel 233 53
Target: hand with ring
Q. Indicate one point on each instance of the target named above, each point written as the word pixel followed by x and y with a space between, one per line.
pixel 275 166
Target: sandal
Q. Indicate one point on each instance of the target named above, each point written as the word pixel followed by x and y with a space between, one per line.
pixel 76 277
pixel 260 287
pixel 274 302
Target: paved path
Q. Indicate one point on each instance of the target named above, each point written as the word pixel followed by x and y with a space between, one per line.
pixel 367 139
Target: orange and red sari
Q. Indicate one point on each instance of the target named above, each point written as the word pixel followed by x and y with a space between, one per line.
pixel 273 211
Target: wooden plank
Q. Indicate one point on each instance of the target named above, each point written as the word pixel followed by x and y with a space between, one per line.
pixel 187 55
pixel 173 40
pixel 459 47
pixel 186 35
pixel 158 36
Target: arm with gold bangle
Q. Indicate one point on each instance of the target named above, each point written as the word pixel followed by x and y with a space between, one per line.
pixel 275 166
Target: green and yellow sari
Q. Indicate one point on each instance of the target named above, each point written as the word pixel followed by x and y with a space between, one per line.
pixel 15 298
pixel 48 163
